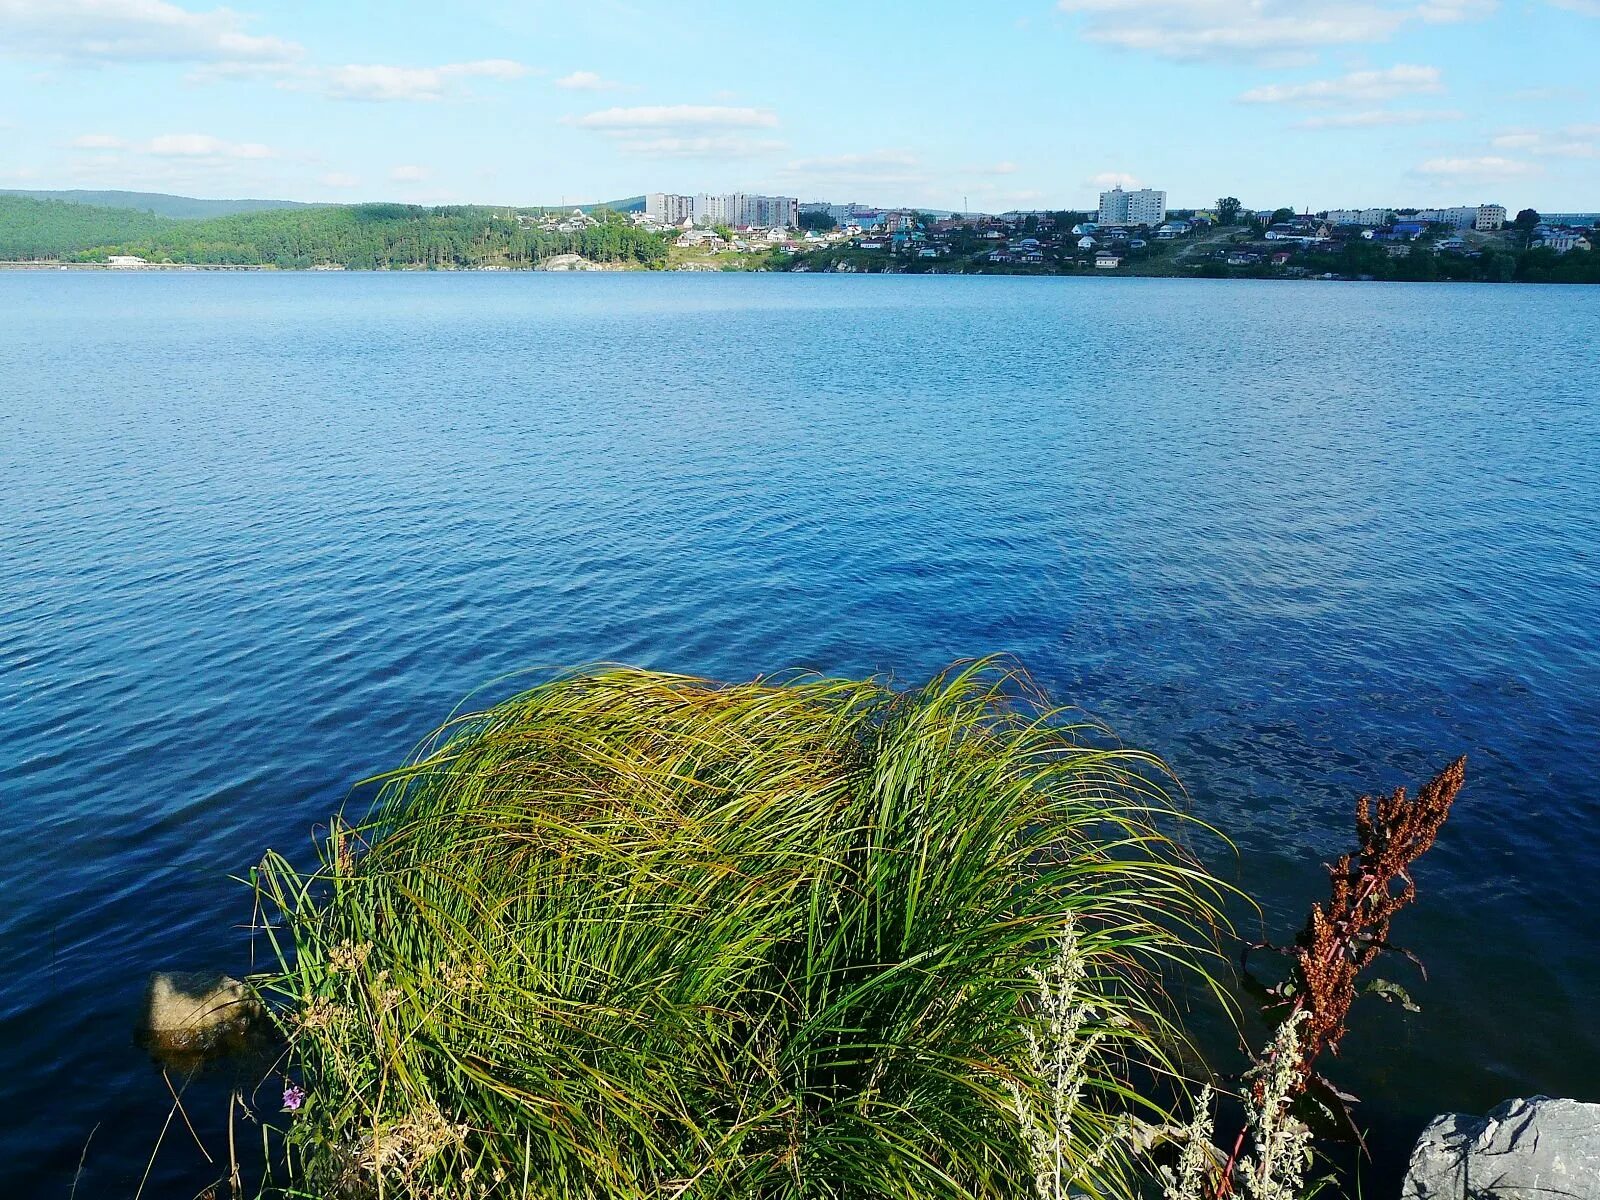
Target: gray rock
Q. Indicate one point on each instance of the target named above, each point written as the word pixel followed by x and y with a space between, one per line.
pixel 1537 1149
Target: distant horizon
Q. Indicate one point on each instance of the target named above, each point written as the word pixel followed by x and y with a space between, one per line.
pixel 1511 209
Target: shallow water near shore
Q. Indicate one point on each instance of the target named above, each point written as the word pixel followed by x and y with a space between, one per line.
pixel 262 532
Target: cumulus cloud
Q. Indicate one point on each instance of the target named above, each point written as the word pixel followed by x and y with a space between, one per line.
pixel 1488 168
pixel 133 31
pixel 876 166
pixel 586 81
pixel 1107 180
pixel 706 131
pixel 379 82
pixel 195 146
pixel 653 117
pixel 1261 30
pixel 388 83
pixel 340 179
pixel 706 146
pixel 1574 141
pixel 409 173
pixel 1387 84
pixel 1380 117
pixel 201 145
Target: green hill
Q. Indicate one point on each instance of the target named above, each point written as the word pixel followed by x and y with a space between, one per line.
pixel 159 203
pixel 361 236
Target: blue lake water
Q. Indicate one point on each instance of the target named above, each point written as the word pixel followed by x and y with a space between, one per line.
pixel 259 533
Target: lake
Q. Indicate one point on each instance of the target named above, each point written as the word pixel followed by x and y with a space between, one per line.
pixel 262 532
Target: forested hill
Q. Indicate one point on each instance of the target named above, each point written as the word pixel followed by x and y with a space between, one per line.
pixel 360 236
pixel 160 203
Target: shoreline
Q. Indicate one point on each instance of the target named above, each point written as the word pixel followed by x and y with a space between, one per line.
pixel 630 269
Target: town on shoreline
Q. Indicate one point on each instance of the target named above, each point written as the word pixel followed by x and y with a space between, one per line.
pixel 1131 233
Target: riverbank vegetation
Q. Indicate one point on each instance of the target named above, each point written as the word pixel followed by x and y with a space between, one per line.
pixel 631 934
pixel 357 236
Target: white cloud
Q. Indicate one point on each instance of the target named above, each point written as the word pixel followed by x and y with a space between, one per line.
pixel 1387 84
pixel 195 146
pixel 1107 180
pixel 379 82
pixel 368 81
pixel 200 145
pixel 1257 30
pixel 1576 141
pixel 705 131
pixel 1589 8
pixel 339 179
pixel 708 146
pixel 133 31
pixel 586 81
pixel 409 173
pixel 1489 168
pixel 1449 12
pixel 873 168
pixel 676 117
pixel 1381 117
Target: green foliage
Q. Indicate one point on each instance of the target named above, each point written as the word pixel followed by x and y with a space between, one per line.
pixel 816 220
pixel 53 229
pixel 1358 258
pixel 1228 210
pixel 366 236
pixel 635 935
pixel 159 203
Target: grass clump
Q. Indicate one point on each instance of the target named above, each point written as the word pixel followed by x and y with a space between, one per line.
pixel 637 935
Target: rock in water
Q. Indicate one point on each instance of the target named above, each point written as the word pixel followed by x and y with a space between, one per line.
pixel 197 1014
pixel 1538 1149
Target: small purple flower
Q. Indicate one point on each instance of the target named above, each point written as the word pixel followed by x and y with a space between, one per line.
pixel 293 1097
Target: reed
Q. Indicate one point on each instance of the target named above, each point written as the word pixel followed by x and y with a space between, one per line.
pixel 631 934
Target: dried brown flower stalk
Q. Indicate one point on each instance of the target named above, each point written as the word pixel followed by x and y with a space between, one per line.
pixel 1342 939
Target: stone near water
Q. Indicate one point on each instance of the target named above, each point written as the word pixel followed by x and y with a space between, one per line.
pixel 1534 1149
pixel 195 1014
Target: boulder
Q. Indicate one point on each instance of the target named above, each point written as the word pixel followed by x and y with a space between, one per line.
pixel 197 1014
pixel 1535 1149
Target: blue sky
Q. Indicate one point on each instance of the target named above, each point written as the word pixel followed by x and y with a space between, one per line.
pixel 1022 103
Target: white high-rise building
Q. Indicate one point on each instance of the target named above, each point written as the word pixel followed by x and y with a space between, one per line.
pixel 742 209
pixel 1145 206
pixel 664 208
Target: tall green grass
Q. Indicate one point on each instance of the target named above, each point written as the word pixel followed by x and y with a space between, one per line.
pixel 637 935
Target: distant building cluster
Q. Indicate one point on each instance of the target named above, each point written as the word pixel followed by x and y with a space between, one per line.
pixel 1360 216
pixel 1146 206
pixel 1485 218
pixel 741 210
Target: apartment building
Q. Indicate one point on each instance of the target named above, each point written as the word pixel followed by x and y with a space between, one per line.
pixel 1358 216
pixel 1144 206
pixel 1483 217
pixel 742 209
pixel 664 208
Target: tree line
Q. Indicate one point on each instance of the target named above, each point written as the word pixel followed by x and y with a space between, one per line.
pixel 359 236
